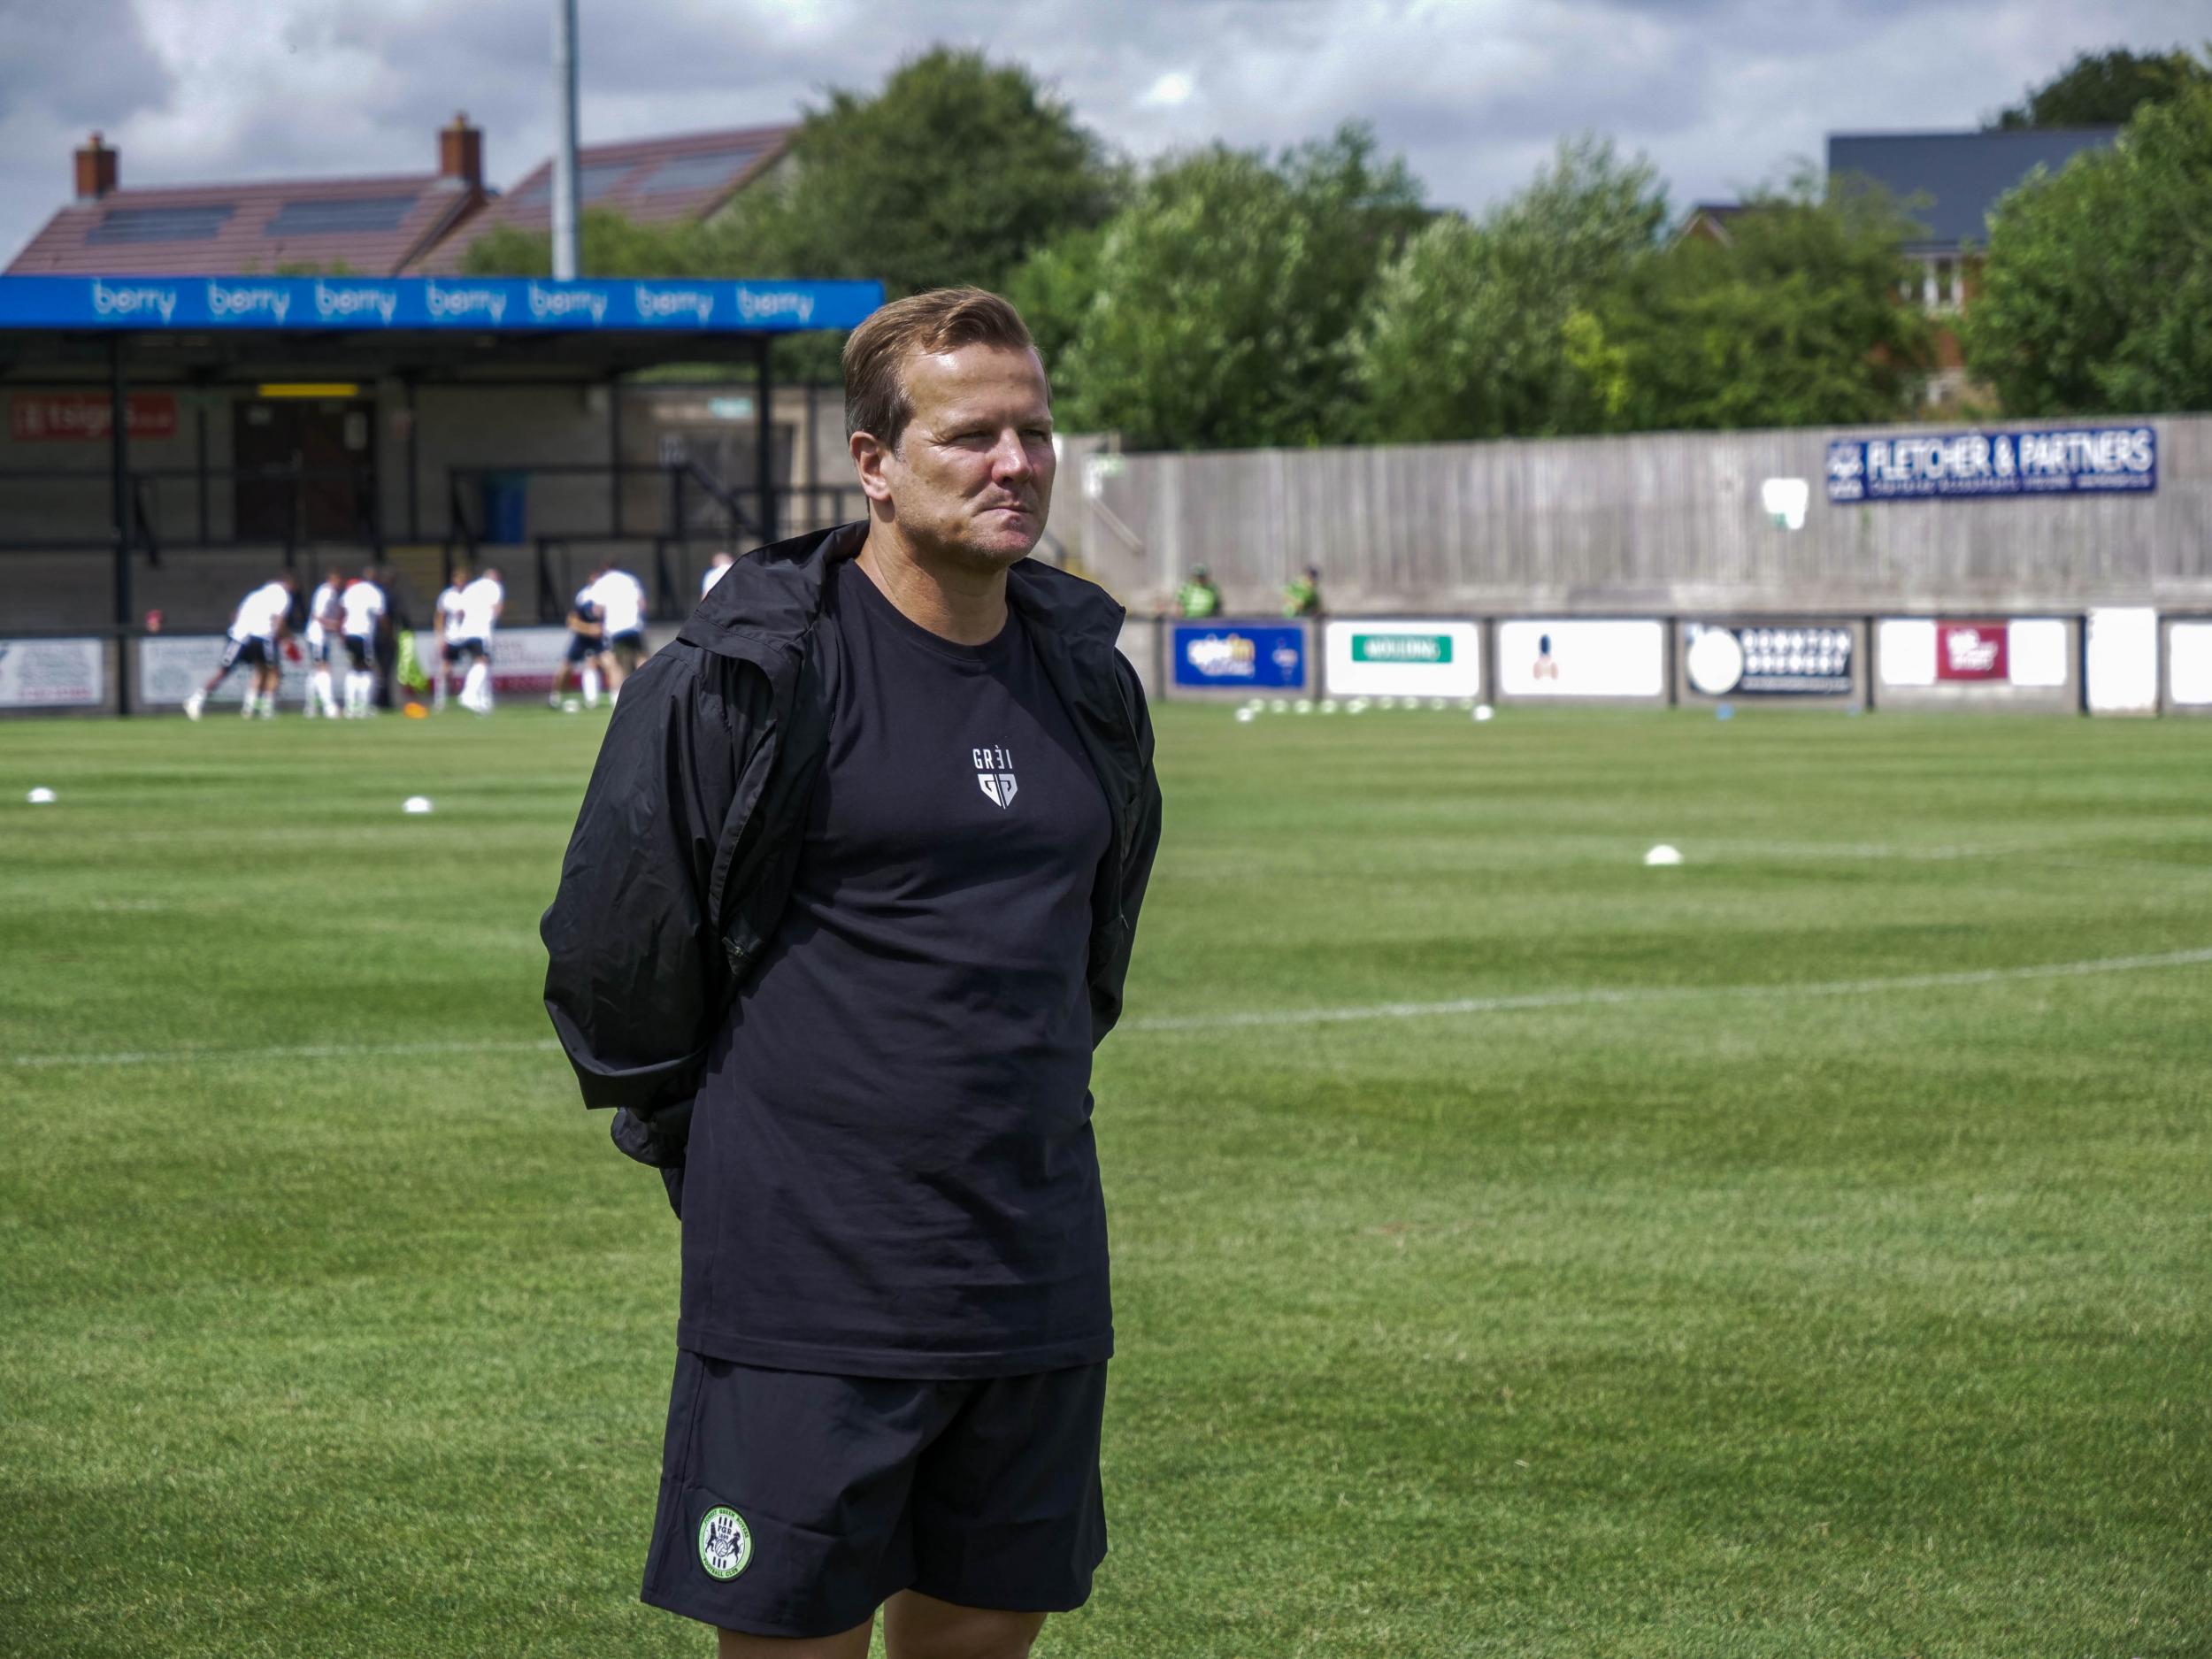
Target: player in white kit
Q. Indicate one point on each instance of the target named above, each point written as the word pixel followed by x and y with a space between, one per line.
pixel 362 604
pixel 326 618
pixel 449 631
pixel 257 629
pixel 585 642
pixel 481 603
pixel 620 597
pixel 717 567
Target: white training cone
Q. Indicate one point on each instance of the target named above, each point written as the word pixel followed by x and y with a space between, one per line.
pixel 1484 711
pixel 1245 717
pixel 40 796
pixel 416 803
pixel 1662 854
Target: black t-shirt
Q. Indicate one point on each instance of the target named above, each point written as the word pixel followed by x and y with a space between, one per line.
pixel 891 1169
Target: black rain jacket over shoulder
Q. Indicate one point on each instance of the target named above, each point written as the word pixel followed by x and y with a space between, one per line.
pixel 682 858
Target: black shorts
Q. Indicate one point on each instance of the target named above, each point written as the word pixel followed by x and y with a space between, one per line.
pixel 360 652
pixel 468 651
pixel 629 640
pixel 795 1504
pixel 254 651
pixel 450 653
pixel 582 648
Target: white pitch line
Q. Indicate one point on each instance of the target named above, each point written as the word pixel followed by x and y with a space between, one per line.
pixel 1602 998
pixel 1595 997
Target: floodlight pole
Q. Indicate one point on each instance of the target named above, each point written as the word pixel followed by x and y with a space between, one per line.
pixel 565 206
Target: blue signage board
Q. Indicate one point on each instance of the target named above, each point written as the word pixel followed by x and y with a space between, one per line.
pixel 1926 466
pixel 1232 655
pixel 480 305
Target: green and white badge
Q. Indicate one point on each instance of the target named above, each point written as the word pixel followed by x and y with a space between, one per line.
pixel 725 1543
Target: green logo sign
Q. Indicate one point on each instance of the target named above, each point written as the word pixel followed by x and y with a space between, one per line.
pixel 1416 649
pixel 725 1543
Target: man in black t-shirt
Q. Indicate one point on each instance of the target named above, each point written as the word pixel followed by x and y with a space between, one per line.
pixel 899 783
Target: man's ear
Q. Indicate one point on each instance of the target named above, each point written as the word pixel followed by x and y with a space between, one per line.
pixel 868 459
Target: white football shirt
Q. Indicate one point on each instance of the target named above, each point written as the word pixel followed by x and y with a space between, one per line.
pixel 714 573
pixel 479 609
pixel 449 605
pixel 364 604
pixel 260 612
pixel 620 597
pixel 321 605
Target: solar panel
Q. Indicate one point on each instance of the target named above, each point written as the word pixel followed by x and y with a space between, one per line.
pixel 593 179
pixel 337 215
pixel 698 173
pixel 162 224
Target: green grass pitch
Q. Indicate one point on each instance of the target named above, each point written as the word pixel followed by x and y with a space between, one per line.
pixel 1803 1252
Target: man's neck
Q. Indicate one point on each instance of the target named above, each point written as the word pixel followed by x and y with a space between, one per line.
pixel 965 605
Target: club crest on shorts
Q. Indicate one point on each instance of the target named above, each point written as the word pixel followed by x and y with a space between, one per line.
pixel 995 774
pixel 725 1543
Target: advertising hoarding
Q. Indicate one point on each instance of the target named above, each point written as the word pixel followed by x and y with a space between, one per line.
pixel 2120 659
pixel 84 417
pixel 2023 662
pixel 1950 465
pixel 1567 656
pixel 2189 664
pixel 1237 656
pixel 1808 659
pixel 1364 659
pixel 52 674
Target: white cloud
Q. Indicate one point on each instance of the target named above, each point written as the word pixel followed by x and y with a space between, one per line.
pixel 1718 93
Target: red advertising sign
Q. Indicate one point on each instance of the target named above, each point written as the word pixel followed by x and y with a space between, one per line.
pixel 82 416
pixel 1971 650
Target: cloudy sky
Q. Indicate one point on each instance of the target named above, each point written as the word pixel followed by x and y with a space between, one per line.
pixel 1718 93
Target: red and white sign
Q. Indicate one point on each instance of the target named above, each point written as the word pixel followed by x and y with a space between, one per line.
pixel 82 416
pixel 1971 650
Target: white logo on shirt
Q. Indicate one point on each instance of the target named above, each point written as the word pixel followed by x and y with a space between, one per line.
pixel 995 774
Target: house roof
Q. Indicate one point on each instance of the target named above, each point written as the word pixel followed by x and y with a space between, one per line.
pixel 650 181
pixel 1950 181
pixel 372 225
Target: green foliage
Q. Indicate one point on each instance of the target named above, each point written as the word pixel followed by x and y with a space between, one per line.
pixel 1466 336
pixel 951 174
pixel 1227 292
pixel 611 245
pixel 2096 296
pixel 1797 319
pixel 2106 90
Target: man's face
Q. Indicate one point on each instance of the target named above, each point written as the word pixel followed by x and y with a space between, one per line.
pixel 972 478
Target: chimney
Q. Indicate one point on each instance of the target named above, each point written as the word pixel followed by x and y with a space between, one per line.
pixel 461 154
pixel 96 170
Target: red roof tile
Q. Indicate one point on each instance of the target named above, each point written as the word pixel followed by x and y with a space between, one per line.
pixel 372 225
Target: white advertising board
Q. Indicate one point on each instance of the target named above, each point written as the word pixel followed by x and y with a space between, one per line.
pixel 2121 657
pixel 1402 659
pixel 173 666
pixel 1568 657
pixel 2189 664
pixel 52 674
pixel 2025 653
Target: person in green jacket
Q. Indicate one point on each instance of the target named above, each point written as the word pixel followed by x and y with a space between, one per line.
pixel 1302 597
pixel 1198 597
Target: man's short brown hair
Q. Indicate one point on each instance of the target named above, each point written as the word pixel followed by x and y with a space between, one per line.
pixel 878 351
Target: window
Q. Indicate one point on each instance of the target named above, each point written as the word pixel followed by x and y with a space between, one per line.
pixel 162 224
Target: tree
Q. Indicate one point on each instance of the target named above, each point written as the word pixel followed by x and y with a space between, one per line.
pixel 608 245
pixel 1226 293
pixel 2096 294
pixel 952 174
pixel 1799 318
pixel 2105 89
pixel 1466 338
